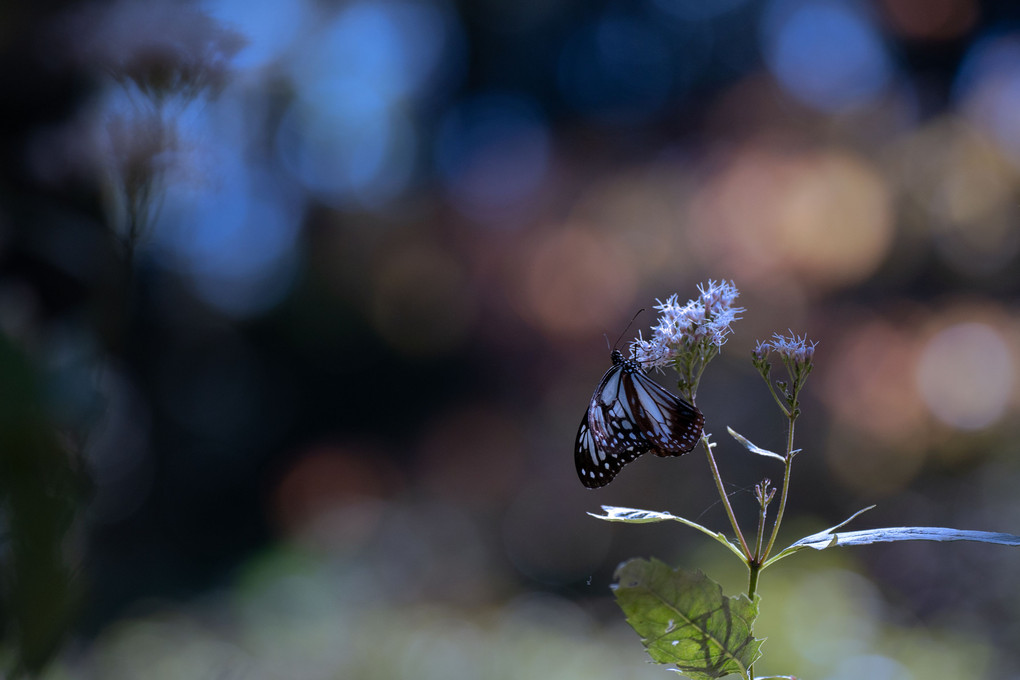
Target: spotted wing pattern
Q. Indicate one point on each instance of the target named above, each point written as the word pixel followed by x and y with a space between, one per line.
pixel 595 466
pixel 629 415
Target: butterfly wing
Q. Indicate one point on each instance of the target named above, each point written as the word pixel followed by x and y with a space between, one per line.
pixel 671 426
pixel 595 465
pixel 610 418
pixel 629 415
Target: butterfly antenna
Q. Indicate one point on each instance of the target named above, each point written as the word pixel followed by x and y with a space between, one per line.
pixel 627 328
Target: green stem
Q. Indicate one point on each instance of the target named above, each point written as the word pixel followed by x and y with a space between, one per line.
pixel 785 491
pixel 701 370
pixel 760 536
pixel 753 569
pixel 780 402
pixel 724 497
pixel 754 565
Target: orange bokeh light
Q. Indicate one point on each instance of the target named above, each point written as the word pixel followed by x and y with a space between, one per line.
pixel 573 282
pixel 822 217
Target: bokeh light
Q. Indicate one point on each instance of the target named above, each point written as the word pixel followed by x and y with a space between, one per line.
pixel 332 493
pixel 270 29
pixel 350 135
pixel 828 55
pixel 871 381
pixel 236 244
pixel 850 606
pixel 313 294
pixel 574 282
pixel 493 154
pixel 863 629
pixel 965 187
pixel 640 211
pixel 835 225
pixel 359 158
pixel 228 223
pixel 822 217
pixel 988 87
pixel 966 375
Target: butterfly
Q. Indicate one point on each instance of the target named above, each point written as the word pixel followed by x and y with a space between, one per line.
pixel 630 414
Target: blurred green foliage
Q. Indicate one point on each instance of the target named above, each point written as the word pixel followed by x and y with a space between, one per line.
pixel 41 486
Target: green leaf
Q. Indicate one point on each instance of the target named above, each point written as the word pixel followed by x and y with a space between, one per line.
pixel 635 516
pixel 831 538
pixel 889 534
pixel 683 618
pixel 795 547
pixel 754 449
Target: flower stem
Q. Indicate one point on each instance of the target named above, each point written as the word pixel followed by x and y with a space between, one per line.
pixel 786 488
pixel 760 536
pixel 753 569
pixel 724 497
pixel 782 405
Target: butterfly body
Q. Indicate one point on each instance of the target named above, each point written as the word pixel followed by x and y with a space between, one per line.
pixel 629 415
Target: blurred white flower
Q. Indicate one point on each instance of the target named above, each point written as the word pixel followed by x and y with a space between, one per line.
pixel 163 48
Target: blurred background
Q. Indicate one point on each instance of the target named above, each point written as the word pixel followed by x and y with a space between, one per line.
pixel 302 301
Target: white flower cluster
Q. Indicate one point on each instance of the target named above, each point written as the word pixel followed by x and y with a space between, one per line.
pixel 795 348
pixel 700 324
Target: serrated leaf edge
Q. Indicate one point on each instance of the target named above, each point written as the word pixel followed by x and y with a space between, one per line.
pixel 755 642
